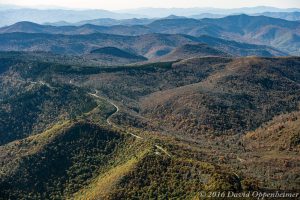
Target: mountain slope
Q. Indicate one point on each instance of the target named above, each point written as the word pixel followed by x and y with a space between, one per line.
pixel 236 27
pixel 239 48
pixel 58 161
pixel 29 27
pixel 43 105
pixel 243 28
pixel 113 51
pixel 80 159
pixel 113 56
pixel 78 44
pixel 173 123
pixel 272 150
pixel 239 98
pixel 281 133
pixel 11 16
pixel 192 50
pixel 261 30
pixel 291 16
pixel 114 22
pixel 149 46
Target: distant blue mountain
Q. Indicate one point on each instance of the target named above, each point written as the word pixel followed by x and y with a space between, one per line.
pixel 163 12
pixel 261 30
pixel 292 16
pixel 10 14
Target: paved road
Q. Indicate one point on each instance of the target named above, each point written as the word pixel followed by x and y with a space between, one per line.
pixel 108 120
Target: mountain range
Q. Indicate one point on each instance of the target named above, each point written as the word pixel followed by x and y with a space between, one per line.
pixel 163 12
pixel 290 16
pixel 95 131
pixel 149 45
pixel 11 14
pixel 169 107
pixel 277 33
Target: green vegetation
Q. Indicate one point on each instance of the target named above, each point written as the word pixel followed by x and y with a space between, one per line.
pixel 160 177
pixel 147 131
pixel 61 165
pixel 38 107
pixel 240 97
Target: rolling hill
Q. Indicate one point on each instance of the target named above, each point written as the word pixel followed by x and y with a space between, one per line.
pixel 291 16
pixel 13 15
pixel 242 28
pixel 190 51
pixel 113 51
pixel 240 48
pixel 79 156
pixel 273 149
pixel 145 45
pixel 113 56
pixel 163 108
pixel 44 107
pixel 114 22
pixel 29 27
pixel 188 125
pixel 149 45
pixel 240 97
pixel 261 30
pixel 76 152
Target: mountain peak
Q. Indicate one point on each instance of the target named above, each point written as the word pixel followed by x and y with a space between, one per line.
pixel 174 17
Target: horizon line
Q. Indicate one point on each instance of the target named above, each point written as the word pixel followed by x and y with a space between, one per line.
pixel 52 7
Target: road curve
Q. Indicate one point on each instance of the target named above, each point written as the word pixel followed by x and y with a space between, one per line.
pixel 109 122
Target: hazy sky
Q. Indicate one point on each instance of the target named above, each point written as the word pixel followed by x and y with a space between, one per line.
pixel 126 4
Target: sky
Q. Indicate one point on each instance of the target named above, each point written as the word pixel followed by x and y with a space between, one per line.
pixel 129 4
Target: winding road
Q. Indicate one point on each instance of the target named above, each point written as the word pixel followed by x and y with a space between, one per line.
pixel 109 122
pixel 42 83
